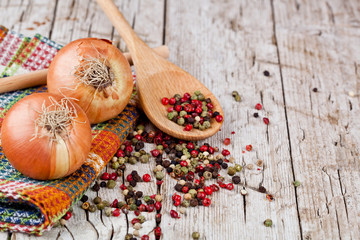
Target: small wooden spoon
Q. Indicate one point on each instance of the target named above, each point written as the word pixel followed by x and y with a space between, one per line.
pixel 157 78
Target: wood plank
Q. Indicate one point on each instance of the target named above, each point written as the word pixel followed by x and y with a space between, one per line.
pixel 318 47
pixel 227 46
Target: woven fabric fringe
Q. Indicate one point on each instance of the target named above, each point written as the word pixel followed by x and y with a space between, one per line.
pixel 32 206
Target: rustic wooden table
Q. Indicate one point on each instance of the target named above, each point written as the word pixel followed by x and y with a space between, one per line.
pixel 313 136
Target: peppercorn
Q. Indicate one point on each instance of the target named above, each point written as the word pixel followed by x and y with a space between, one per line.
pixel 236 96
pixel 96 187
pixel 224 165
pixel 296 183
pixel 133 207
pixel 243 192
pixel 103 184
pixel 231 171
pixel 195 235
pixel 111 184
pixel 128 236
pixel 256 115
pixel 84 198
pixel 92 208
pixel 120 204
pixel 106 203
pixel 100 206
pixel 97 200
pixel 194 202
pixel 268 223
pixel 207 175
pixel 141 218
pixel 238 167
pixel 262 189
pixel 159 175
pixel 236 179
pixel 259 163
pixel 108 212
pixel 85 205
pixel 133 183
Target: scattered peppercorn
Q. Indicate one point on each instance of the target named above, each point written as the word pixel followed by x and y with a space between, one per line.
pixel 236 96
pixel 268 223
pixel 236 179
pixel 266 120
pixel 315 89
pixel 296 183
pixel 266 73
pixel 195 235
pixel 256 115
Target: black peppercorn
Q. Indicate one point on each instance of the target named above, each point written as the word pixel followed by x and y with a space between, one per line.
pixel 216 113
pixel 138 202
pixel 236 179
pixel 266 73
pixel 167 150
pixel 224 165
pixel 166 163
pixel 84 198
pixel 179 154
pixel 131 193
pixel 212 162
pixel 256 115
pixel 315 89
pixel 169 170
pixel 208 100
pixel 178 187
pixel 132 183
pixel 215 174
pixel 220 161
pixel 194 202
pixel 96 187
pixel 191 120
pixel 139 194
pixel 103 184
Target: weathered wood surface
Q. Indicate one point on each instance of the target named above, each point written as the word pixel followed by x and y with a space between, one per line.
pixel 313 137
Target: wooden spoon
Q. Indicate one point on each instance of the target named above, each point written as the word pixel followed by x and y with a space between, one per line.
pixel 157 78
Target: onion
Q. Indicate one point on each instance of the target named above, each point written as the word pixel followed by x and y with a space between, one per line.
pixel 94 72
pixel 45 136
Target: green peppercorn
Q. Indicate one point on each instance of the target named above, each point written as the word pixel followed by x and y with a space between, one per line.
pixel 144 158
pixel 142 152
pixel 177 97
pixel 204 114
pixel 121 160
pixel 85 205
pixel 178 147
pixel 134 141
pixel 236 96
pixel 201 97
pixel 197 92
pixel 193 192
pixel 159 175
pixel 297 183
pixel 136 154
pixel 140 127
pixel 207 175
pixel 97 200
pixel 115 165
pixel 100 206
pixel 268 223
pixel 147 198
pixel 181 121
pixel 132 160
pixel 201 127
pixel 206 124
pixel 120 204
pixel 185 170
pixel 133 207
pixel 111 184
pixel 194 97
pixel 231 171
pixel 182 113
pixel 159 147
pixel 185 203
pixel 128 236
pixel 238 167
pixel 196 124
pixel 131 201
pixel 92 208
pixel 195 235
pixel 108 211
pixel 141 218
pixel 172 114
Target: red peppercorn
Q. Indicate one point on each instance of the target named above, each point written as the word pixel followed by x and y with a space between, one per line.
pixel 129 178
pixel 196 181
pixel 187 95
pixel 157 233
pixel 134 221
pixel 67 215
pixel 210 106
pixel 142 208
pixel 206 202
pixel 227 141
pixel 258 106
pixel 150 207
pixel 229 186
pixel 120 153
pixel 266 120
pixel 123 187
pixel 116 212
pixel 222 185
pixel 188 127
pixel 172 101
pixel 185 189
pixel 113 176
pixel 178 108
pixel 201 195
pixel 105 176
pixel 249 147
pixel 129 148
pixel 215 188
pixel 114 203
pixel 182 100
pixel 146 177
pixel 211 150
pixel 176 197
pixel 155 152
pixel 225 152
pixel 127 143
pixel 137 212
pixel 159 182
pixel 190 146
pixel 170 109
pixel 208 190
pixel 219 118
pixel 203 148
pixel 183 163
pixel 145 237
pixel 177 203
pixel 165 101
pixel 158 206
pixel 194 153
pixel 198 110
pixel 174 214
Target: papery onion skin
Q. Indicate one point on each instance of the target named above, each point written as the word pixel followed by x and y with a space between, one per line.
pixel 98 106
pixel 40 158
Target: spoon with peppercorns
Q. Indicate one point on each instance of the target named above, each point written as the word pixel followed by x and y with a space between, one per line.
pixel 157 78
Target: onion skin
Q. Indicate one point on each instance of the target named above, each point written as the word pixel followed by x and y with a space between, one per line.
pixel 98 105
pixel 42 158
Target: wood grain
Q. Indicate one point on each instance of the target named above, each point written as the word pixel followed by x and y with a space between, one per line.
pixel 312 137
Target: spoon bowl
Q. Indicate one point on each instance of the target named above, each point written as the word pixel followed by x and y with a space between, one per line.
pixel 157 78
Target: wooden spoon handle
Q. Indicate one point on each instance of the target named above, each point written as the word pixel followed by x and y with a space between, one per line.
pixel 37 78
